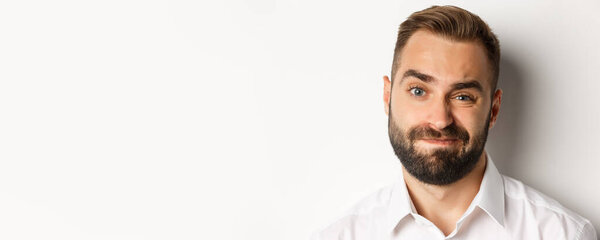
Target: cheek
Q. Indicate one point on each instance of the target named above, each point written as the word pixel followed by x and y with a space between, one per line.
pixel 473 121
pixel 407 112
pixel 405 115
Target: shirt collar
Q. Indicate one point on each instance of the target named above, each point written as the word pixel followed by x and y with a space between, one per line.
pixel 490 198
pixel 400 204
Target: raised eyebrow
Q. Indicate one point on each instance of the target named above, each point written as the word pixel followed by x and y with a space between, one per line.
pixel 470 84
pixel 414 73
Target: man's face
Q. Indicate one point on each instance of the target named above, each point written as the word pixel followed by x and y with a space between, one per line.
pixel 440 108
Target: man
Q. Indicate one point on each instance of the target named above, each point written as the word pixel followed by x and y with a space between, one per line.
pixel 441 102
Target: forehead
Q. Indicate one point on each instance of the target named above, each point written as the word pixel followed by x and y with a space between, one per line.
pixel 447 60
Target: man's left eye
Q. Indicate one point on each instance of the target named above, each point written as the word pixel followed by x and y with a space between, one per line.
pixel 463 98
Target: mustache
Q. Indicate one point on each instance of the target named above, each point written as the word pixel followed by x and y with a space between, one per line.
pixel 451 131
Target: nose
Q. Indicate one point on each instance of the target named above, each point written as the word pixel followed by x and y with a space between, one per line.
pixel 440 114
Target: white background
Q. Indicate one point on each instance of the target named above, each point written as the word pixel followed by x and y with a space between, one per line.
pixel 257 119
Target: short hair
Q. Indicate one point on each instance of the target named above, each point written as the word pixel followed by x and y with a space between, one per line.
pixel 454 23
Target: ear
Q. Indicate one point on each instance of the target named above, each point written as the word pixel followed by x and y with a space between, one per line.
pixel 387 88
pixel 497 100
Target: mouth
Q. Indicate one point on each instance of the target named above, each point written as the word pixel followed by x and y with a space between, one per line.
pixel 440 141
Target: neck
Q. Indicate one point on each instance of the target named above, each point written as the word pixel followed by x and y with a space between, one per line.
pixel 444 205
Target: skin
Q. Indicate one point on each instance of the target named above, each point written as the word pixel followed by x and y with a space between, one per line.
pixel 438 105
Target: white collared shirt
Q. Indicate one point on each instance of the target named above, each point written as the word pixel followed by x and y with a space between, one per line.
pixel 504 208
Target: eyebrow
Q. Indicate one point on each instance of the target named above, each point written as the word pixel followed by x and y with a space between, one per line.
pixel 470 84
pixel 414 73
pixel 429 79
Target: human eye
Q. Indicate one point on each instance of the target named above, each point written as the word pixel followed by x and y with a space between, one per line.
pixel 417 91
pixel 465 98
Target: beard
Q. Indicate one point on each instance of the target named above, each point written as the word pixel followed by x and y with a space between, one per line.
pixel 439 166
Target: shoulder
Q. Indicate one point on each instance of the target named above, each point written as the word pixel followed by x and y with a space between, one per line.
pixel 532 212
pixel 361 218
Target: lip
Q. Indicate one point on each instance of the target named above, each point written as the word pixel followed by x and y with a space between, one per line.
pixel 438 141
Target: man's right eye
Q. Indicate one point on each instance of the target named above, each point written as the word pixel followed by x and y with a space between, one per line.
pixel 418 92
